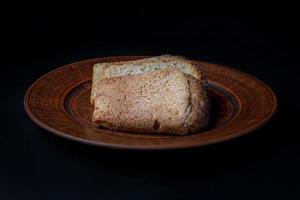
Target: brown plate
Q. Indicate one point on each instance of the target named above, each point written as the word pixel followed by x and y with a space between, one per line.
pixel 59 103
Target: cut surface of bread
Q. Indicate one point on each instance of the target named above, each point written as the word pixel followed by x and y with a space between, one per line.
pixel 108 70
pixel 164 101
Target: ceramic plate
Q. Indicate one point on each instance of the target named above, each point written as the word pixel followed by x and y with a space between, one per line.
pixel 59 102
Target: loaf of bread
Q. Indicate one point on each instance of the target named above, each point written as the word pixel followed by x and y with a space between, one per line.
pixel 161 101
pixel 108 70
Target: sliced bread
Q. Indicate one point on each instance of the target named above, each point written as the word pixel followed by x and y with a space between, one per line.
pixel 164 101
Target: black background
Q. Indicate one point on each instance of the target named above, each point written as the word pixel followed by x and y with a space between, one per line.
pixel 37 165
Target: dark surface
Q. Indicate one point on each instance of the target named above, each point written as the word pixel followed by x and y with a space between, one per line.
pixel 38 165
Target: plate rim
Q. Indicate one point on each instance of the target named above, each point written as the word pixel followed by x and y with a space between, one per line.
pixel 130 147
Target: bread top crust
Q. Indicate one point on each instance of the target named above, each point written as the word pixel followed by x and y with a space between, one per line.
pixel 167 101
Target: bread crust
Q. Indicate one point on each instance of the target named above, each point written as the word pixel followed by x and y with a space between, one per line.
pixel 97 72
pixel 164 101
pixel 199 115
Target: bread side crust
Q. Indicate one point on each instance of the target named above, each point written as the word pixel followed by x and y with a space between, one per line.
pixel 97 73
pixel 199 114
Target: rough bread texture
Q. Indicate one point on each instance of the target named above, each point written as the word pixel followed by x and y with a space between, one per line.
pixel 164 101
pixel 108 70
